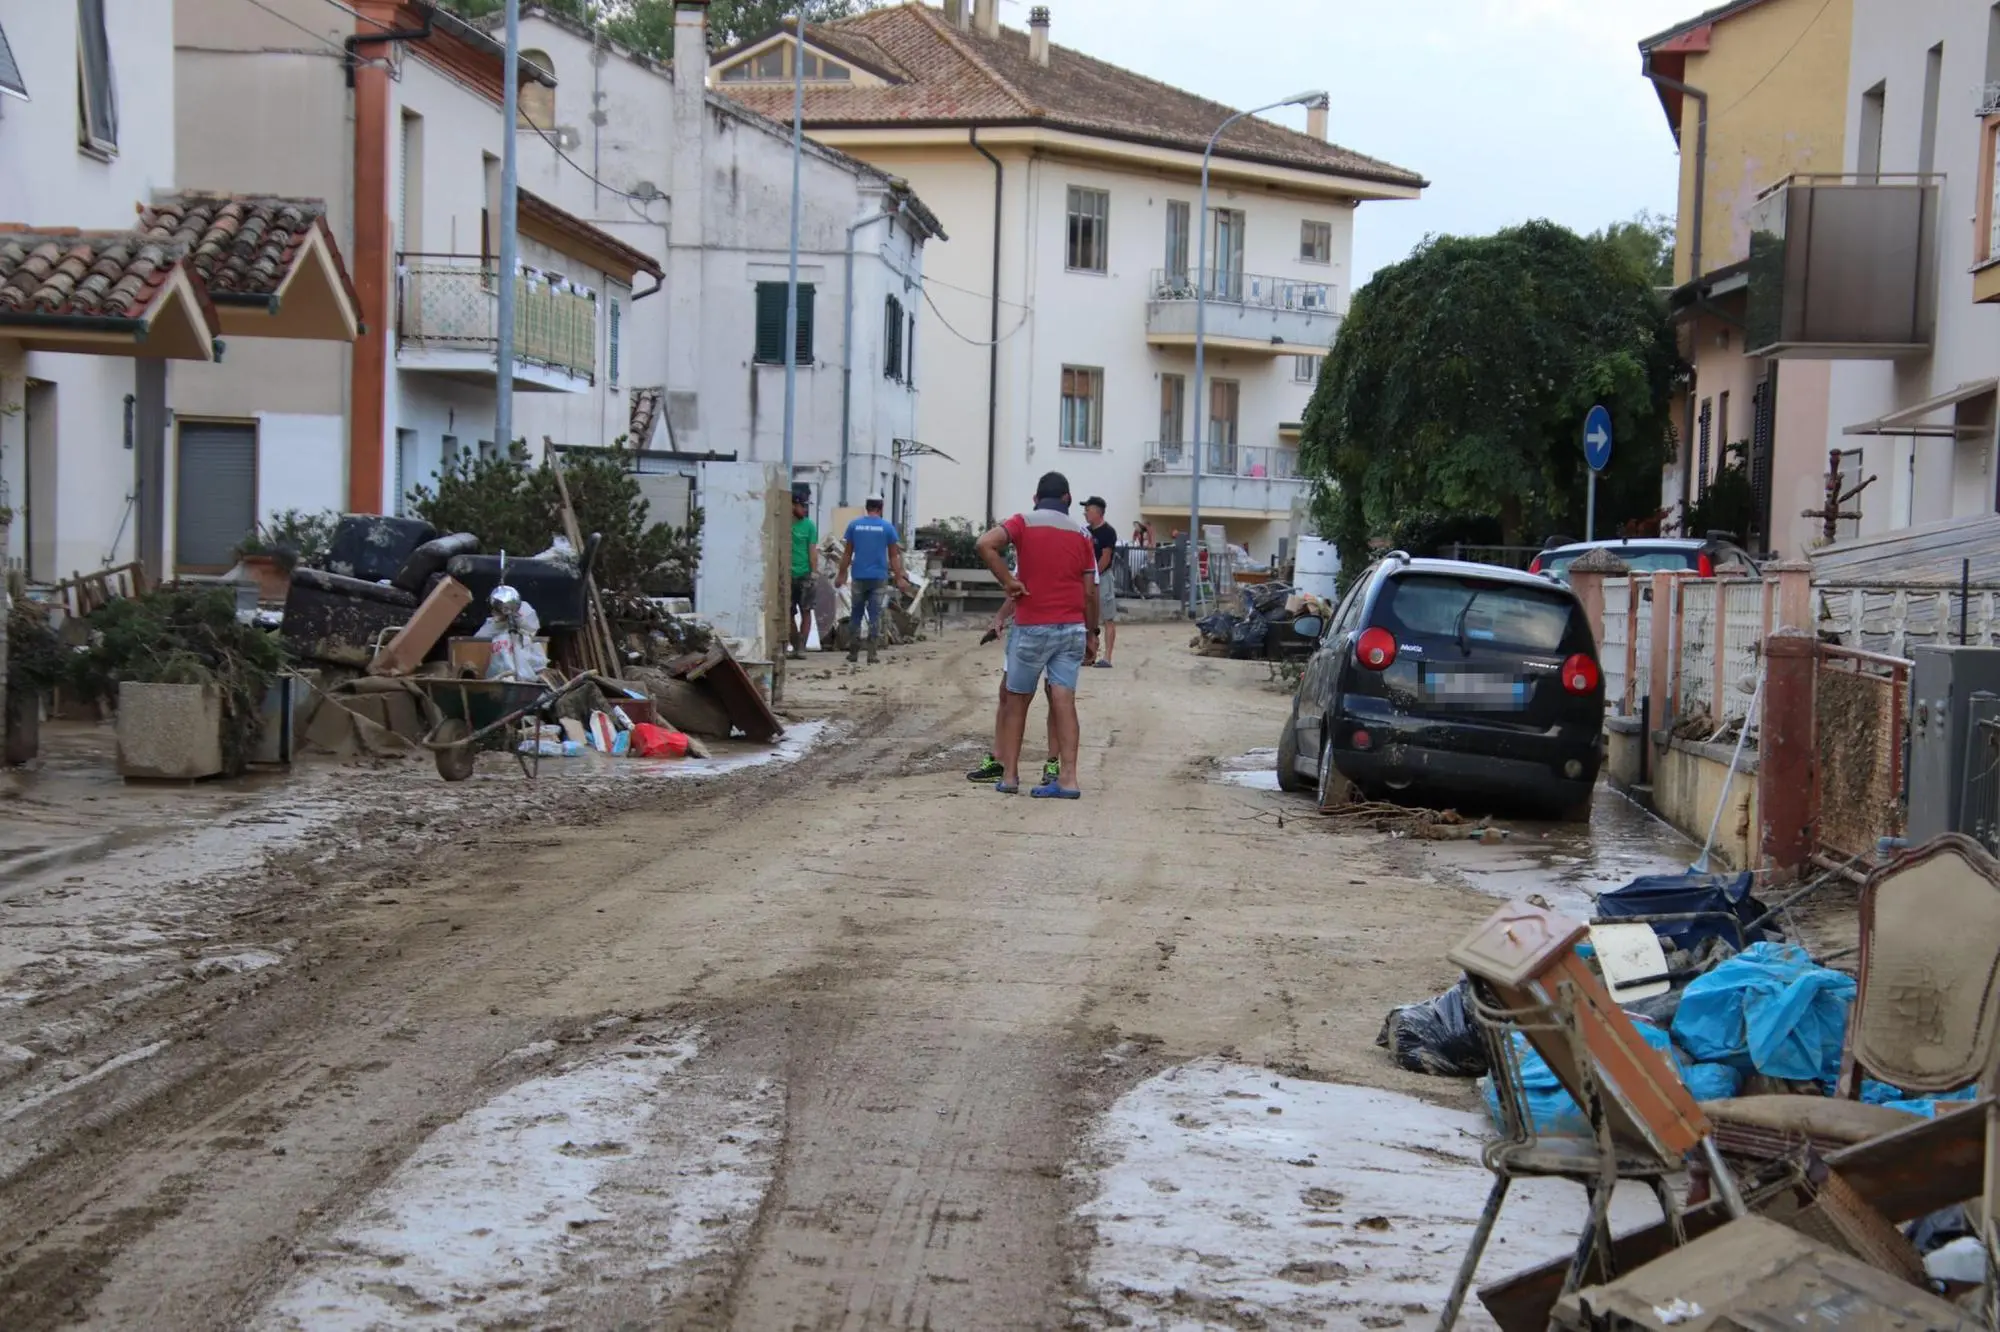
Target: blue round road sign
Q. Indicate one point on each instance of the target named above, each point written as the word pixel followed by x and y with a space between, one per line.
pixel 1597 438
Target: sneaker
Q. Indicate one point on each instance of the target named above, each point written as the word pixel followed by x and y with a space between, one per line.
pixel 1051 770
pixel 988 771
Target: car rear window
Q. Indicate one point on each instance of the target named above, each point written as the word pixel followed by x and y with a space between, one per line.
pixel 1495 614
pixel 1640 561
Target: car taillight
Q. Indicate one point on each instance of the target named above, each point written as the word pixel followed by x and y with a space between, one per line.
pixel 1703 566
pixel 1580 674
pixel 1376 649
pixel 1535 565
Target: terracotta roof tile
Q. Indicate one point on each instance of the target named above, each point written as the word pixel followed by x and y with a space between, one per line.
pixel 961 77
pixel 645 413
pixel 105 274
pixel 241 245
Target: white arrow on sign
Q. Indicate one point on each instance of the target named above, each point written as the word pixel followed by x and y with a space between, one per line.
pixel 1598 436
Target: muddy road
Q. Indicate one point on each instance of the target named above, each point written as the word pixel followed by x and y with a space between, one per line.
pixel 805 1046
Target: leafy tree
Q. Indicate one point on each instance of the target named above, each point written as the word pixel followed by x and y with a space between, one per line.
pixel 647 26
pixel 1458 385
pixel 1648 241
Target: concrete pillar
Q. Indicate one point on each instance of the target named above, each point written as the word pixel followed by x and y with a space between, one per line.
pixel 1588 585
pixel 1786 749
pixel 1659 671
pixel 1794 599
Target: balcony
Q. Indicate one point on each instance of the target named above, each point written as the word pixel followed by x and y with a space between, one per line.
pixel 1239 481
pixel 1843 268
pixel 448 319
pixel 1247 312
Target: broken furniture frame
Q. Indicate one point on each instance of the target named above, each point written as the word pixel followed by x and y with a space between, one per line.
pixel 1527 977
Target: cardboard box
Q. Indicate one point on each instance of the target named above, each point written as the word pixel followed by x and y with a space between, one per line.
pixel 413 642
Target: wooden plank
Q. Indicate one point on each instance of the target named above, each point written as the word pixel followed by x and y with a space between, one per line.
pixel 602 647
pixel 1935 1163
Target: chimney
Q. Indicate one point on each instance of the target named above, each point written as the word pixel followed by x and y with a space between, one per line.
pixel 1038 35
pixel 1316 120
pixel 955 13
pixel 986 17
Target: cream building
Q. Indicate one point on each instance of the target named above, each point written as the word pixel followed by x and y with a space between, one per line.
pixel 1065 295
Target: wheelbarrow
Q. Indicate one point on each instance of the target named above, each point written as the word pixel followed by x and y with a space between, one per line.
pixel 472 716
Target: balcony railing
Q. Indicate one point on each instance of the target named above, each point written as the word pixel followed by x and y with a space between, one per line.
pixel 1246 460
pixel 450 302
pixel 1256 290
pixel 1843 267
pixel 1244 478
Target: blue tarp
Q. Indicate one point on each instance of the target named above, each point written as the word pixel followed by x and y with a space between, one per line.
pixel 1678 894
pixel 1881 1093
pixel 1768 1010
pixel 1553 1110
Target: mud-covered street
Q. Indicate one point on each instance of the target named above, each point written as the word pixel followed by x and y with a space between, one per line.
pixel 837 1040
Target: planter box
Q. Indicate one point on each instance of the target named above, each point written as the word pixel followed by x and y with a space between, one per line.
pixel 169 732
pixel 273 582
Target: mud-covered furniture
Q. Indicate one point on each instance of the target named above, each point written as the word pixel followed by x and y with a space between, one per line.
pixel 373 547
pixel 555 588
pixel 336 614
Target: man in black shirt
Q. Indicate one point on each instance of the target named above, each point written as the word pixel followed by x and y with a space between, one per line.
pixel 1104 537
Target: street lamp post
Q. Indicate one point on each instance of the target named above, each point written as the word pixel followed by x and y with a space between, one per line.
pixel 503 350
pixel 1201 326
pixel 792 273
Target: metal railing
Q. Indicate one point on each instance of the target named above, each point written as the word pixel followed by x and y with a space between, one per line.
pixel 1248 460
pixel 452 302
pixel 1258 290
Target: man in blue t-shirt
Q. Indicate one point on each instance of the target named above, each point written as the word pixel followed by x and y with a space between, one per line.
pixel 875 554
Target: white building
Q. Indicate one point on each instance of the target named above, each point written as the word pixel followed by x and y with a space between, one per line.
pixel 1069 186
pixel 671 167
pixel 98 300
pixel 1916 278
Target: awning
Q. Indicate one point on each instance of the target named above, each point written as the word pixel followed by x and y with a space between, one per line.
pixel 1904 422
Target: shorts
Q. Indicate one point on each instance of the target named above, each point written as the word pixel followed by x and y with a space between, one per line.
pixel 802 592
pixel 1107 600
pixel 1035 649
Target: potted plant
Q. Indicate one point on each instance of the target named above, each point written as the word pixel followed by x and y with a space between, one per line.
pixel 36 664
pixel 188 679
pixel 270 551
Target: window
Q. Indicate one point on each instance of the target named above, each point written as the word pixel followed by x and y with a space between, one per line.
pixel 96 93
pixel 1305 369
pixel 1082 408
pixel 910 353
pixel 774 65
pixel 892 340
pixel 215 493
pixel 406 469
pixel 1180 233
pixel 1722 421
pixel 1173 416
pixel 771 324
pixel 410 187
pixel 538 100
pixel 1988 235
pixel 1868 146
pixel 1463 609
pixel 1226 254
pixel 1089 225
pixel 1316 242
pixel 488 450
pixel 448 452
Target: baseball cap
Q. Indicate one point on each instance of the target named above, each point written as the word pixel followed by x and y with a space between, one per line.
pixel 1095 502
pixel 874 502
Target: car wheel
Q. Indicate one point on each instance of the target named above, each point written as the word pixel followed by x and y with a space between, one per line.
pixel 1334 790
pixel 1288 754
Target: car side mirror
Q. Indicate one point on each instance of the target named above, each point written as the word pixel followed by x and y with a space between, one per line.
pixel 1308 626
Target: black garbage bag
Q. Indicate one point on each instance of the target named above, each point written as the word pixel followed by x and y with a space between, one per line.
pixel 1437 1036
pixel 1219 625
pixel 1247 639
pixel 1268 598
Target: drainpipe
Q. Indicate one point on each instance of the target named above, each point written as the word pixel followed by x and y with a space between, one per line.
pixel 993 336
pixel 847 347
pixel 1694 247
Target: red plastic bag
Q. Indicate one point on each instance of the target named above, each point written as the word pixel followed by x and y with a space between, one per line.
pixel 649 741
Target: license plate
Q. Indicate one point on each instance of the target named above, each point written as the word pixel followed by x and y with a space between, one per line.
pixel 1475 689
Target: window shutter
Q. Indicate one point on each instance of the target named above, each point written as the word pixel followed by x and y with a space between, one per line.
pixel 1762 409
pixel 1707 420
pixel 614 344
pixel 215 494
pixel 805 351
pixel 771 322
pixel 910 354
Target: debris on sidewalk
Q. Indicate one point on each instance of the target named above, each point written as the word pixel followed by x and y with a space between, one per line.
pixel 1407 821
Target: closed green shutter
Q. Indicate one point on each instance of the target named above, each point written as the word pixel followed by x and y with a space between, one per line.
pixel 771 323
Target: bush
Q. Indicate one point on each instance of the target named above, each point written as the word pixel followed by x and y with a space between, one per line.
pixel 292 538
pixel 36 662
pixel 956 537
pixel 181 634
pixel 513 506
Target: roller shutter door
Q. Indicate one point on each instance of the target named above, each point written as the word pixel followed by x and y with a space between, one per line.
pixel 215 494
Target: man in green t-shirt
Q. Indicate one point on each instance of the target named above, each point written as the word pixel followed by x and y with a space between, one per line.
pixel 805 564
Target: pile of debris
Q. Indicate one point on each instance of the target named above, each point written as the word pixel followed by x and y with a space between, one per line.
pixel 1829 1123
pixel 1265 626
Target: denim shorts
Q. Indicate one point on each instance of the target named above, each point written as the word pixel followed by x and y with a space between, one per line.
pixel 1033 649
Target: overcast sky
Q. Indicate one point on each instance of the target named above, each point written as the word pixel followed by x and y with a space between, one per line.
pixel 1512 109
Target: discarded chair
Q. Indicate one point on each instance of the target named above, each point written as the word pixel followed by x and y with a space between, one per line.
pixel 1926 1017
pixel 1527 978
